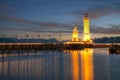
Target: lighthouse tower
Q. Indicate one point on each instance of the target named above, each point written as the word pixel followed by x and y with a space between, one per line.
pixel 86 34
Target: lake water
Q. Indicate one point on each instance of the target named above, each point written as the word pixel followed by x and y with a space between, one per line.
pixel 87 64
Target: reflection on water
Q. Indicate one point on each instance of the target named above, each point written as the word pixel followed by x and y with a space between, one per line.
pixel 75 64
pixel 86 67
pixel 86 64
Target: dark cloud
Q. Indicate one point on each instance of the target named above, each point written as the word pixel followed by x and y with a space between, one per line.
pixel 6 8
pixel 103 8
pixel 35 25
pixel 97 12
pixel 20 20
pixel 113 29
pixel 54 27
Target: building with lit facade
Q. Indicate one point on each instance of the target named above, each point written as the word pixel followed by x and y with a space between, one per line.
pixel 75 34
pixel 86 32
pixel 86 23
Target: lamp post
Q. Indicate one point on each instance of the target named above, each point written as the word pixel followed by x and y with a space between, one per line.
pixel 49 37
pixel 3 37
pixel 16 38
pixel 60 38
pixel 38 37
pixel 27 37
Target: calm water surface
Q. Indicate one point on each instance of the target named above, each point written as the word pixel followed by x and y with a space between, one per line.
pixel 87 64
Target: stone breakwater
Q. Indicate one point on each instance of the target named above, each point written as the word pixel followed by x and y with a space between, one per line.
pixel 49 46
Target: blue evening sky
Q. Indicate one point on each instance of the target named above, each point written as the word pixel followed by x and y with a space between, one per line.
pixel 26 16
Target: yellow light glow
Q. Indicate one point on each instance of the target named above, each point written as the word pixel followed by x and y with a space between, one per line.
pixel 70 42
pixel 87 64
pixel 75 65
pixel 86 21
pixel 75 34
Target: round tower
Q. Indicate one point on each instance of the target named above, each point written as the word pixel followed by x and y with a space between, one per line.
pixel 86 34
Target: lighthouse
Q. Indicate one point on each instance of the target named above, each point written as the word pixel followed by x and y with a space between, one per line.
pixel 86 34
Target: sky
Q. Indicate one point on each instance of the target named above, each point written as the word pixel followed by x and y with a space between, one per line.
pixel 37 16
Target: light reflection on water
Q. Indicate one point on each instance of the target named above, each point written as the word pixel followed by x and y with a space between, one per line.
pixel 85 69
pixel 75 64
pixel 87 64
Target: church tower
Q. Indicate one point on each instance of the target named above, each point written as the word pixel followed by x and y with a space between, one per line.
pixel 75 34
pixel 86 34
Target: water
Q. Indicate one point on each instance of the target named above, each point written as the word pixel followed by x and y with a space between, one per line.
pixel 87 64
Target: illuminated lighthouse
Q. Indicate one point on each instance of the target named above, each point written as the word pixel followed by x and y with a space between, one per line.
pixel 86 34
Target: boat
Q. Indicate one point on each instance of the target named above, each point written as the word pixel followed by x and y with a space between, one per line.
pixel 114 49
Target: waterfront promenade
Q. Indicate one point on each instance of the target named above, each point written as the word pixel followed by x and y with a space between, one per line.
pixel 52 46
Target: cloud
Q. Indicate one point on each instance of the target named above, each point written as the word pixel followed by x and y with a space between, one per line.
pixel 96 12
pixel 100 9
pixel 113 29
pixel 20 20
pixel 4 8
pixel 34 25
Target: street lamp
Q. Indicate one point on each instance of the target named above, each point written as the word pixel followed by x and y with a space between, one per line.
pixel 16 38
pixel 3 37
pixel 27 37
pixel 38 37
pixel 49 37
pixel 60 37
